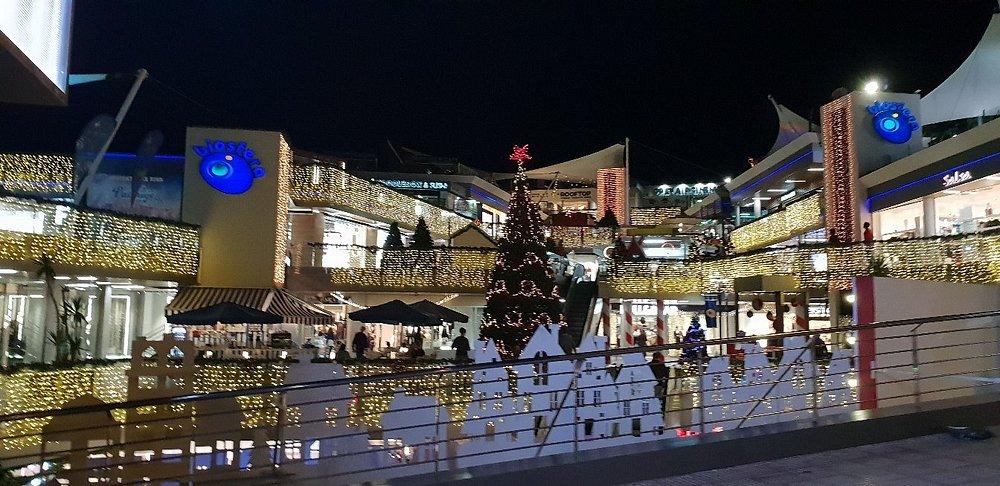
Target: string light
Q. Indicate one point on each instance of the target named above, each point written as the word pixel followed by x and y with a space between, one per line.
pixel 86 238
pixel 961 259
pixel 799 217
pixel 325 185
pixel 840 164
pixel 284 175
pixel 611 192
pixel 652 216
pixel 582 236
pixel 36 173
pixel 443 269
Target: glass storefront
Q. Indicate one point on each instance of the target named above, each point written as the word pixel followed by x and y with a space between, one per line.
pixel 966 208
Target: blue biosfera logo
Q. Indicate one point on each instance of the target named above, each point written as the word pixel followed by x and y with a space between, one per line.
pixel 893 121
pixel 229 167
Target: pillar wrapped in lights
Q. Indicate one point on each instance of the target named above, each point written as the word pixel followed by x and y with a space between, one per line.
pixel 611 192
pixel 840 169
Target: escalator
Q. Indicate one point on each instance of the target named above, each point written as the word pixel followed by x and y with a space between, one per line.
pixel 577 309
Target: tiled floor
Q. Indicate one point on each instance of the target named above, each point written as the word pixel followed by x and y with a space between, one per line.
pixel 936 459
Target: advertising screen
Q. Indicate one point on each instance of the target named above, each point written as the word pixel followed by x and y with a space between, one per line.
pixel 153 189
pixel 40 29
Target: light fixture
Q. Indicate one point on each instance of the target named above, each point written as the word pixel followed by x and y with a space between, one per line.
pixel 852 382
pixel 7 271
pixel 777 190
pixel 727 180
pixel 62 277
pixel 793 181
pixel 849 298
pixel 86 278
pixel 871 87
pixel 815 169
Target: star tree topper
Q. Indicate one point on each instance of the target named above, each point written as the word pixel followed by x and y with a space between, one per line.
pixel 520 154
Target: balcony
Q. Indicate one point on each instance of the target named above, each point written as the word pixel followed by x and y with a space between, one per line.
pixel 797 218
pixel 82 240
pixel 325 185
pixel 973 258
pixel 321 267
pixel 582 236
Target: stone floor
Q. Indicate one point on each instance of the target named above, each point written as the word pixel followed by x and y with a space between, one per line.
pixel 936 459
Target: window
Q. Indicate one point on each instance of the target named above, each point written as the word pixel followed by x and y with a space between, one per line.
pixel 626 408
pixel 121 325
pixel 553 401
pixel 636 427
pixel 541 424
pixel 645 408
pixel 588 427
pixel 482 401
pixel 589 367
pixel 17 305
pixel 491 430
pixel 597 397
pixel 615 429
pixel 580 398
pixel 541 370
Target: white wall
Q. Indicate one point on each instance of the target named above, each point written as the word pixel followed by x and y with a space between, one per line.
pixel 905 299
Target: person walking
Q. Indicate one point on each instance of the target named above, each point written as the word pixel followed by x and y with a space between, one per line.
pixel 461 346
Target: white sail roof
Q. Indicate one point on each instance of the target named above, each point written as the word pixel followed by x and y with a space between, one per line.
pixel 582 169
pixel 974 88
pixel 790 126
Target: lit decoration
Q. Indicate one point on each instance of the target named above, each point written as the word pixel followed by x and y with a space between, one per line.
pixel 325 185
pixel 372 399
pixel 893 121
pixel 796 219
pixel 652 216
pixel 582 236
pixel 522 294
pixel 281 217
pixel 840 169
pixel 36 173
pixel 87 238
pixel 611 192
pixel 229 167
pixel 971 258
pixel 442 269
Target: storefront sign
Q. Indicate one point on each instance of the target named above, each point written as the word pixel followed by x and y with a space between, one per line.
pixel 229 167
pixel 893 121
pixel 582 194
pixel 686 190
pixel 405 184
pixel 957 177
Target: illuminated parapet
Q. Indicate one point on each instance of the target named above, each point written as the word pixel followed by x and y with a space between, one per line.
pixel 36 173
pixel 652 216
pixel 325 185
pixel 582 236
pixel 98 242
pixel 962 259
pixel 352 268
pixel 798 218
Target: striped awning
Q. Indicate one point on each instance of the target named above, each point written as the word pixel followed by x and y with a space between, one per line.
pixel 293 309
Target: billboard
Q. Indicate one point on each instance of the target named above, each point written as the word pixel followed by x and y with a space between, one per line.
pixel 36 33
pixel 126 186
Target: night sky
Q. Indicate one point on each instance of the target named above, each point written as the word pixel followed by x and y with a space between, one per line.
pixel 470 78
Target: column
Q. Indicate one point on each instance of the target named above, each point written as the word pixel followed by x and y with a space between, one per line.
pixel 606 320
pixel 51 317
pixel 625 327
pixel 102 320
pixel 930 216
pixel 4 327
pixel 756 208
pixel 661 328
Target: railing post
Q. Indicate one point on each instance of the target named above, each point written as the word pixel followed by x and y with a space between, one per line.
pixel 576 406
pixel 437 437
pixel 279 431
pixel 815 379
pixel 915 356
pixel 701 397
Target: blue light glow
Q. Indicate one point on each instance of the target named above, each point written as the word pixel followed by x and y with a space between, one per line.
pixel 938 176
pixel 761 180
pixel 894 122
pixel 229 167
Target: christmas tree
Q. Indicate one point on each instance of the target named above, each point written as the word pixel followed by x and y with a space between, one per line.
pixel 394 240
pixel 522 293
pixel 422 236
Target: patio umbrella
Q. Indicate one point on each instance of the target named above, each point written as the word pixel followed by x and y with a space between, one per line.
pixel 439 311
pixel 226 313
pixel 395 312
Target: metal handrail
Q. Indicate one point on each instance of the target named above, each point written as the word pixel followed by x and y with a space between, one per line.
pixel 444 370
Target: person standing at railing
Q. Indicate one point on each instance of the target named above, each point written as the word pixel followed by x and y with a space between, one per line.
pixel 360 343
pixel 461 346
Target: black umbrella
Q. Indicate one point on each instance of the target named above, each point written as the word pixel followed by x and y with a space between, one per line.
pixel 439 311
pixel 226 313
pixel 395 312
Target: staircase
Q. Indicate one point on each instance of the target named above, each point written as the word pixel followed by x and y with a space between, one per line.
pixel 579 302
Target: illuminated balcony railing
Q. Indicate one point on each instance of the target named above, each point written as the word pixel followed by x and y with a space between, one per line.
pixel 798 218
pixel 318 267
pixel 36 173
pixel 971 258
pixel 581 236
pixel 324 185
pixel 652 216
pixel 96 241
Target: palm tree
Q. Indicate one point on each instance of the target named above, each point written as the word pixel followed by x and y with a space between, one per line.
pixel 70 316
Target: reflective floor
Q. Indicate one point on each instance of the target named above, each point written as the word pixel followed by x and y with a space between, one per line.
pixel 937 459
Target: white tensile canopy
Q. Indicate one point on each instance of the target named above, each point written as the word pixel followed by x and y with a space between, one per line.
pixel 582 169
pixel 790 126
pixel 974 88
